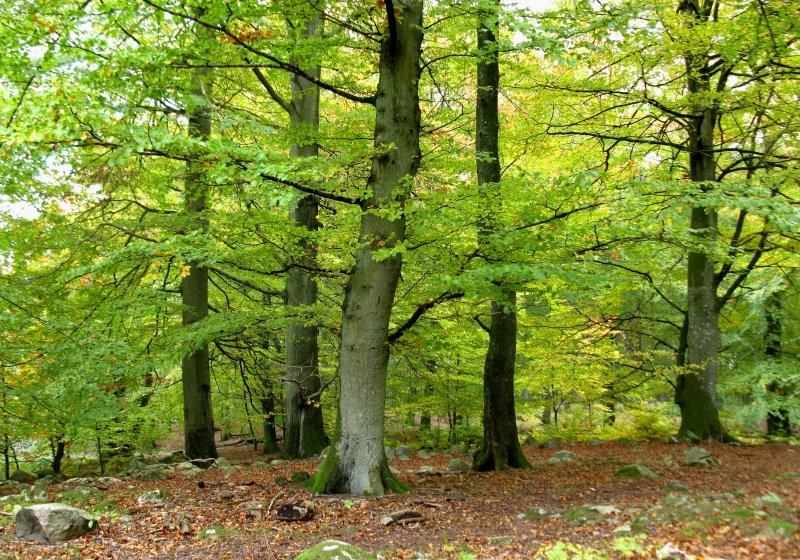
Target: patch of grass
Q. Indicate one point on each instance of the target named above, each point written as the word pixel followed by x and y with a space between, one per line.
pixel 217 531
pixel 107 508
pixel 81 496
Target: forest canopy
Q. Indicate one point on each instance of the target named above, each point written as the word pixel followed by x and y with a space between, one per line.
pixel 352 223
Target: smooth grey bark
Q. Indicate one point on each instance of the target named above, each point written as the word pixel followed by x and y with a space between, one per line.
pixel 357 461
pixel 304 431
pixel 695 391
pixel 500 447
pixel 198 418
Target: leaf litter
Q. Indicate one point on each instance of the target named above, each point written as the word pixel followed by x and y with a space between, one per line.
pixel 745 506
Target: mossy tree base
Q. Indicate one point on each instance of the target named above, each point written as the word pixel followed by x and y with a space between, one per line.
pixel 500 458
pixel 333 479
pixel 699 412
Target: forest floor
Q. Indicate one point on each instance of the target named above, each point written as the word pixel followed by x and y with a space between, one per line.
pixel 746 506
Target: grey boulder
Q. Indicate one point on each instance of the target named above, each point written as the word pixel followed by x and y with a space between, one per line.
pixel 51 523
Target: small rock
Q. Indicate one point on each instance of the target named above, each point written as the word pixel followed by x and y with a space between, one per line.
pixel 697 456
pixel 623 529
pixel 37 492
pixel 389 453
pixel 427 469
pixel 671 552
pixel 770 499
pixel 403 452
pixel 426 453
pixel 636 470
pixel 276 462
pixel 151 474
pixel 221 462
pixel 83 492
pixel 675 488
pixel 23 477
pixel 50 523
pixel 550 443
pixel 594 442
pixel 107 480
pixel 457 466
pixel 582 515
pixel 229 470
pixel 255 509
pixel 260 465
pixel 137 465
pixel 156 497
pixel 562 456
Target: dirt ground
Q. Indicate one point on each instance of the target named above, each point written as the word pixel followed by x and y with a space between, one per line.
pixel 747 506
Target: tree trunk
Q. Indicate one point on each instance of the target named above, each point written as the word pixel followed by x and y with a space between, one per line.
pixel 196 376
pixel 304 431
pixel 357 462
pixel 778 423
pixel 695 391
pixel 59 448
pixel 270 435
pixel 500 448
pixel 7 456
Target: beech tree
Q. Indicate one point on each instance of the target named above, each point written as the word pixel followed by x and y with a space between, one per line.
pixel 357 461
pixel 304 432
pixel 707 122
pixel 500 447
pixel 198 418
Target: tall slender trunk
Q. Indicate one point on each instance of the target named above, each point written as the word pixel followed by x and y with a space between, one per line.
pixel 304 431
pixel 778 423
pixel 196 376
pixel 695 391
pixel 7 456
pixel 268 414
pixel 357 462
pixel 59 448
pixel 500 447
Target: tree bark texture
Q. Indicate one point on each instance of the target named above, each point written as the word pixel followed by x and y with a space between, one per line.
pixel 304 431
pixel 695 391
pixel 357 462
pixel 270 440
pixel 196 376
pixel 500 447
pixel 778 423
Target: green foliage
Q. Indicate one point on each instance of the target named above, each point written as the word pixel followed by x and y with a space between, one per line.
pixel 590 218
